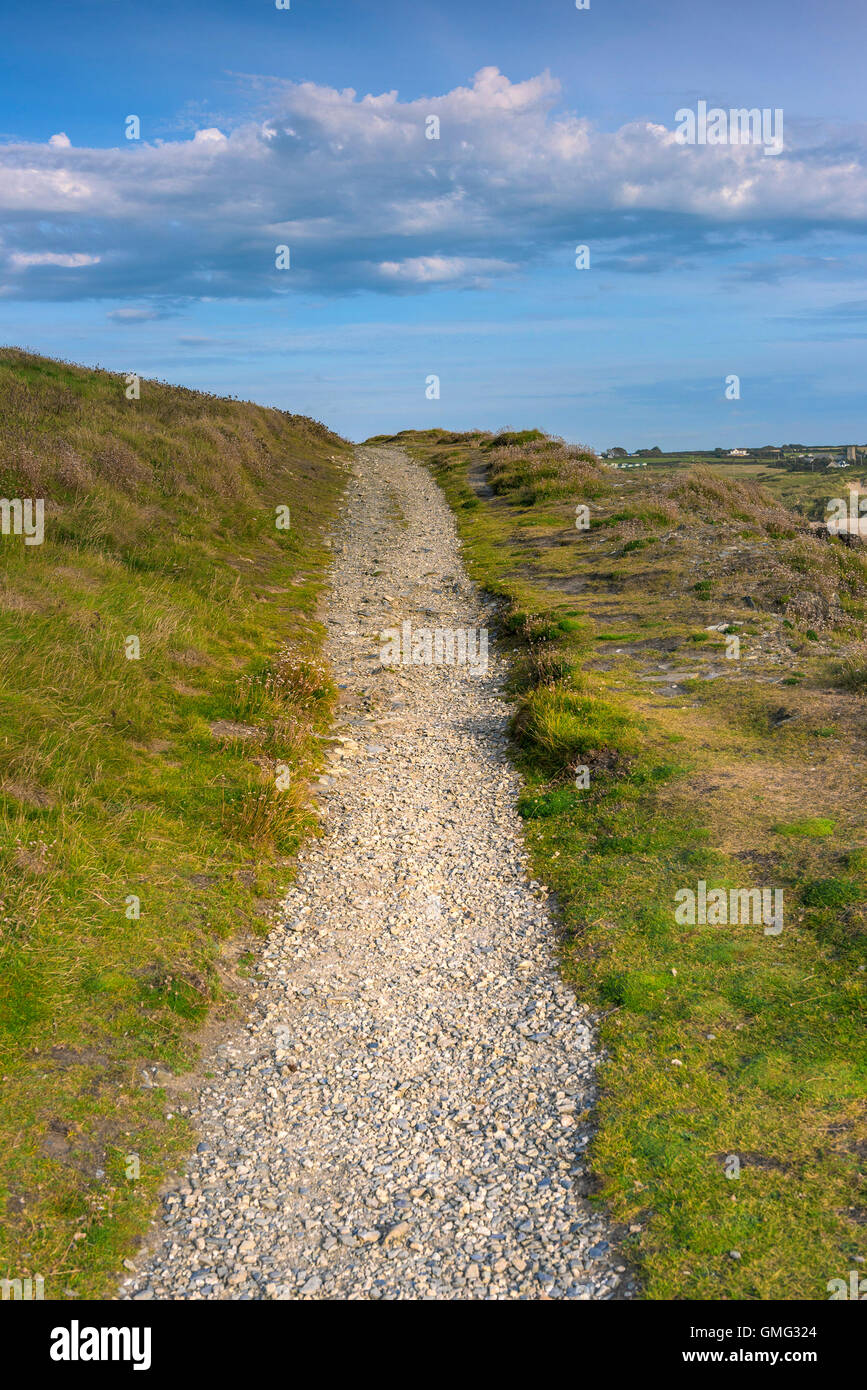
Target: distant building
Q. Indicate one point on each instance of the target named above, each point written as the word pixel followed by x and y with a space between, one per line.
pixel 738 453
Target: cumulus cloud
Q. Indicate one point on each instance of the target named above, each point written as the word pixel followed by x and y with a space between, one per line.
pixel 441 270
pixel 365 200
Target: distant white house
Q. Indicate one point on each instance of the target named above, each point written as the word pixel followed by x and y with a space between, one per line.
pixel 738 453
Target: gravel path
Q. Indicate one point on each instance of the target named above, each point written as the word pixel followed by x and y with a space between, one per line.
pixel 402 1117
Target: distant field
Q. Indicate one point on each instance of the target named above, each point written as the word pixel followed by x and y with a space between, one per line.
pixel 158 664
pixel 732 1140
pixel 803 491
pixel 806 493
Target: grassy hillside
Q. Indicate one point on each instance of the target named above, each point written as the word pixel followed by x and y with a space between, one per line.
pixel 161 695
pixel 731 1140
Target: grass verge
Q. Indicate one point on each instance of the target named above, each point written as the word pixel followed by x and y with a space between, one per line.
pixel 657 754
pixel 162 701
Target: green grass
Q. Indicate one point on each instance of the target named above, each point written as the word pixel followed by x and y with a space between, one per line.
pixel 565 727
pixel 813 827
pixel 143 826
pixel 720 1041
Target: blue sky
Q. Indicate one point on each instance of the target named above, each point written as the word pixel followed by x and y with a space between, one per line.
pixel 455 257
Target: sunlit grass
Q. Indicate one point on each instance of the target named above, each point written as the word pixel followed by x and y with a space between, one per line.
pixel 719 1041
pixel 139 833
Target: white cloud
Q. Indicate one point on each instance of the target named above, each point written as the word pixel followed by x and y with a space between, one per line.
pixel 365 200
pixel 23 259
pixel 134 315
pixel 438 270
